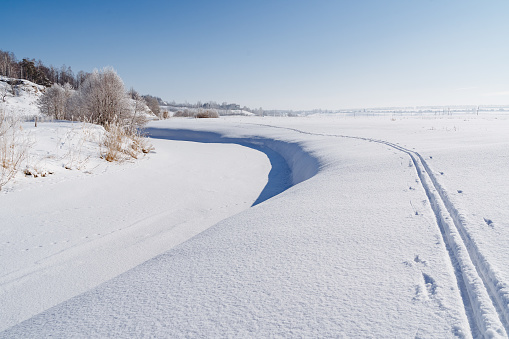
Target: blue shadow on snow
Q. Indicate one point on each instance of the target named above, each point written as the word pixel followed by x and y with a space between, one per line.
pixel 279 178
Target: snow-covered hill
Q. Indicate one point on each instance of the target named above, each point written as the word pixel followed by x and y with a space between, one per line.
pixel 19 97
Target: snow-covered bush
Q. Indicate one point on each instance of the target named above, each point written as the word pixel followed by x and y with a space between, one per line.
pixel 186 113
pixel 53 102
pixel 103 98
pixel 13 147
pixel 196 113
pixel 207 114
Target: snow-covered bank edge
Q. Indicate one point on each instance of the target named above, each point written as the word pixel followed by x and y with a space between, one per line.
pixel 299 165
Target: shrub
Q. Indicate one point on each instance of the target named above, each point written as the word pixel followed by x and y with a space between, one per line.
pixel 207 114
pixel 104 98
pixel 53 102
pixel 123 143
pixel 13 148
pixel 183 114
pixel 197 114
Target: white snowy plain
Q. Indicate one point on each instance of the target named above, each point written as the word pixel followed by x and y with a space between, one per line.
pixel 392 228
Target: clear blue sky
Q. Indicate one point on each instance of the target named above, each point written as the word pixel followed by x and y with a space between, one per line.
pixel 287 54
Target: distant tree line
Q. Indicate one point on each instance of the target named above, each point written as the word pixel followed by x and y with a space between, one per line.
pixel 207 105
pixel 187 109
pixel 37 72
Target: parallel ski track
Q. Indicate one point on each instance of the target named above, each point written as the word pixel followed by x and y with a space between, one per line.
pixel 484 293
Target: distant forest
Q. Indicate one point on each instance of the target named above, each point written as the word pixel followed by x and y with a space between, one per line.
pixel 36 71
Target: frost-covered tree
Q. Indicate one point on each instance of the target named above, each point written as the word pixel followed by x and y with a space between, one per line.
pixel 80 78
pixel 53 102
pixel 3 93
pixel 139 109
pixel 75 108
pixel 153 104
pixel 100 99
pixel 104 98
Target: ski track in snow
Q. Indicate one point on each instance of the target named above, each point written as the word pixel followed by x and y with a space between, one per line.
pixel 485 295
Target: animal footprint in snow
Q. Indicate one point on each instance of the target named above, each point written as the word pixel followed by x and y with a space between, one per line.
pixel 420 261
pixel 489 222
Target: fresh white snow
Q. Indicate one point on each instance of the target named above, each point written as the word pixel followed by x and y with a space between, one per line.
pixel 383 227
pixel 76 228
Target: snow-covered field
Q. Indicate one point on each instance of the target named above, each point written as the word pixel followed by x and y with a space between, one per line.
pixel 388 227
